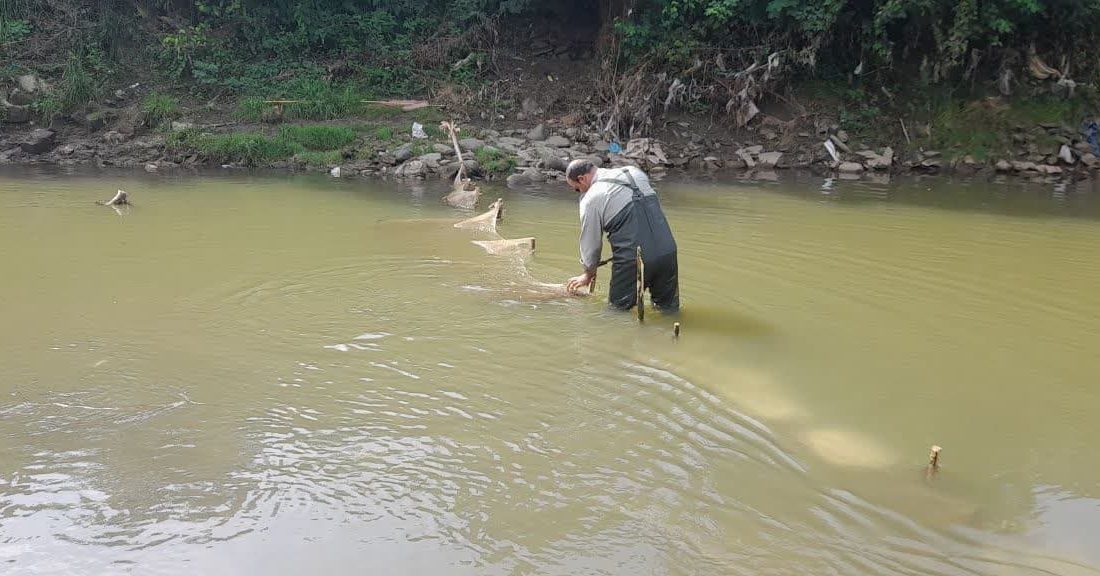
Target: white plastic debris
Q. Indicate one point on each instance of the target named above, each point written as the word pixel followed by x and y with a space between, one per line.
pixel 418 131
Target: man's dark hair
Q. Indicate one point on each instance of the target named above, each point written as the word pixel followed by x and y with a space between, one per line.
pixel 578 168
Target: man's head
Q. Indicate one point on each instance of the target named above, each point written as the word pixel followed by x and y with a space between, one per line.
pixel 580 174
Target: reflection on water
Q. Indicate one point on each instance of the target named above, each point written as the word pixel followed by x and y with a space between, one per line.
pixel 257 374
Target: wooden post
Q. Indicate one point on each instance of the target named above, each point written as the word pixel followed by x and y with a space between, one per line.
pixel 933 462
pixel 676 330
pixel 641 284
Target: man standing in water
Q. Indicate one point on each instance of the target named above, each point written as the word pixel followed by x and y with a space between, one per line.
pixel 622 203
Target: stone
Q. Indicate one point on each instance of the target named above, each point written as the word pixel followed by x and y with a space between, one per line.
pixel 1050 170
pixel 431 160
pixel 1019 138
pixel 1082 147
pixel 766 133
pixel 1089 159
pixel 850 167
pixel 471 144
pixel 335 172
pixel 150 167
pixel 881 161
pixel 932 163
pixel 515 180
pixel 930 154
pixel 840 145
pixel 39 141
pixel 533 175
pixel 538 133
pixel 529 107
pixel 177 126
pixel 558 141
pixel 114 137
pixel 746 157
pixel 510 141
pixel 444 150
pixel 13 114
pixel 769 159
pixel 754 150
pixel 551 159
pixel 1020 166
pixel 31 84
pixel 1002 166
pixel 66 150
pixel 411 169
pixel 403 153
pixel 20 98
pixel 96 121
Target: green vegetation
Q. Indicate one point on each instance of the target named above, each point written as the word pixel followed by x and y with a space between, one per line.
pixel 318 137
pixel 159 108
pixel 494 161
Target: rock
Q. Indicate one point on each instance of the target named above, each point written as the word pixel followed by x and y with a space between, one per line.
pixel 1049 170
pixel 533 175
pixel 114 137
pixel 746 157
pixel 39 141
pixel 550 159
pixel 471 144
pixel 14 114
pixel 930 154
pixel 431 161
pixel 150 167
pixel 558 141
pixel 529 107
pixel 31 84
pixel 515 180
pixel 769 159
pixel 1089 159
pixel 20 98
pixel 1020 166
pixel 1065 154
pixel 66 150
pixel 850 167
pixel 403 153
pixel 1019 138
pixel 931 163
pixel 880 161
pixel 96 121
pixel 754 150
pixel 842 135
pixel 538 133
pixel 1082 147
pixel 181 126
pixel 840 145
pixel 1003 166
pixel 443 150
pixel 411 169
pixel 766 133
pixel 335 172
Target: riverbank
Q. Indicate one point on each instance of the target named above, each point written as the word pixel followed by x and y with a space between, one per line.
pixel 382 142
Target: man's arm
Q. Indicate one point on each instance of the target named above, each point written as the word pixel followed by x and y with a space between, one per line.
pixel 591 239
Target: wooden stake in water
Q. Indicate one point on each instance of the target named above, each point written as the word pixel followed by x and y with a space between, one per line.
pixel 676 330
pixel 933 461
pixel 641 284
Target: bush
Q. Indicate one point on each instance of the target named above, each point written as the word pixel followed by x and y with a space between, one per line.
pixel 494 161
pixel 159 108
pixel 318 137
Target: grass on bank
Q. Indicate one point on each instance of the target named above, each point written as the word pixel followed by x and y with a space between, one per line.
pixel 314 145
pixel 494 161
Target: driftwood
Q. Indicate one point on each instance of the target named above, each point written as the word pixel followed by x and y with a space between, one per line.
pixel 486 222
pixel 121 199
pixel 465 193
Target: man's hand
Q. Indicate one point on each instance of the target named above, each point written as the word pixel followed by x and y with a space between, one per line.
pixel 577 282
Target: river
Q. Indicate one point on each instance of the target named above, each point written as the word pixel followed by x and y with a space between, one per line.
pixel 272 374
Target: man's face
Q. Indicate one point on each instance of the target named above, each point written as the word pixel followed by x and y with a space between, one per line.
pixel 582 183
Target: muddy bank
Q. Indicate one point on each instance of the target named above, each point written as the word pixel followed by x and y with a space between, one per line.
pixel 531 147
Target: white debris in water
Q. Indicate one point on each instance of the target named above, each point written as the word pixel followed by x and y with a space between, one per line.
pixel 369 336
pixel 395 369
pixel 340 347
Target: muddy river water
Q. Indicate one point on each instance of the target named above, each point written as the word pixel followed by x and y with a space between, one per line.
pixel 269 374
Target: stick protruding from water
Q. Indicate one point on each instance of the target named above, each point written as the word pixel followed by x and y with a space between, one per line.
pixel 933 461
pixel 676 330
